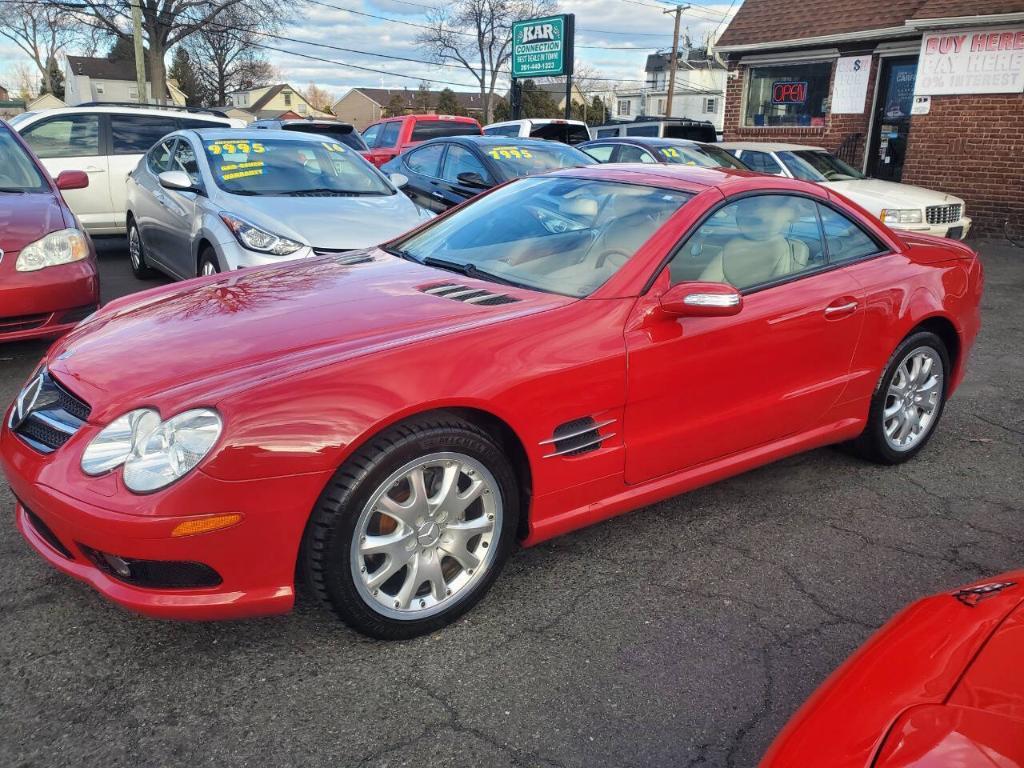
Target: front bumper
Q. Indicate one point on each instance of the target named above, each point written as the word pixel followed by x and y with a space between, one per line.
pixel 48 302
pixel 255 558
pixel 963 226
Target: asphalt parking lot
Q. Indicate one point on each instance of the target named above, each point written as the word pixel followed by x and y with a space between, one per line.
pixel 682 634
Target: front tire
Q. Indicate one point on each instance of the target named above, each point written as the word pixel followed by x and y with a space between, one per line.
pixel 208 264
pixel 137 252
pixel 413 529
pixel 908 401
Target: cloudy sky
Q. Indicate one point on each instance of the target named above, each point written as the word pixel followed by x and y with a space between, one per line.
pixel 612 36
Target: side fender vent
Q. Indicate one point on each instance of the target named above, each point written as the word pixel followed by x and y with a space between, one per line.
pixel 577 437
pixel 468 295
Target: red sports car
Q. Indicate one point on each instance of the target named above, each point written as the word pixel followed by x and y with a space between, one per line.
pixel 940 686
pixel 48 277
pixel 391 422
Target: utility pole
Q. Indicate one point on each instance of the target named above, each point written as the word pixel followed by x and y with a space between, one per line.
pixel 678 11
pixel 140 67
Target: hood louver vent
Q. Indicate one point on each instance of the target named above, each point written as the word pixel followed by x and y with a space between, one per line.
pixel 468 295
pixel 577 437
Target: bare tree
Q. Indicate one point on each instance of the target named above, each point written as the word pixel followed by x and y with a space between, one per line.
pixel 168 22
pixel 20 81
pixel 42 31
pixel 318 98
pixel 477 34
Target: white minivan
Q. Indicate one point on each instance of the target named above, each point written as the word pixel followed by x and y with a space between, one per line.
pixel 565 131
pixel 107 142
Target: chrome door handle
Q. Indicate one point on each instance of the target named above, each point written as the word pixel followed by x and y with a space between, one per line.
pixel 840 308
pixel 438 195
pixel 93 169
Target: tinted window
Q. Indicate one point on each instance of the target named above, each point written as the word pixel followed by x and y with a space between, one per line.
pixel 567 133
pixel 761 162
pixel 751 242
pixel 426 160
pixel 630 154
pixel 461 160
pixel 503 130
pixel 346 136
pixel 370 135
pixel 192 122
pixel 845 239
pixel 604 133
pixel 642 130
pixel 17 171
pixel 185 160
pixel 388 135
pixel 159 157
pixel 135 134
pixel 602 152
pixel 432 129
pixel 67 136
pixel 694 132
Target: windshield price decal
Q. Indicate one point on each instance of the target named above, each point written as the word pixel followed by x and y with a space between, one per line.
pixel 508 153
pixel 332 147
pixel 670 152
pixel 230 171
pixel 230 147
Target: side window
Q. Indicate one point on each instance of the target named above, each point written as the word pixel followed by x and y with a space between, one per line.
pixel 461 160
pixel 191 122
pixel 602 152
pixel 66 136
pixel 761 162
pixel 135 134
pixel 159 157
pixel 389 134
pixel 630 154
pixel 846 241
pixel 752 241
pixel 425 161
pixel 185 160
pixel 370 135
pixel 503 130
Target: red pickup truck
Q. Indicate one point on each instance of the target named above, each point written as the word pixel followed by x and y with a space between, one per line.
pixel 388 138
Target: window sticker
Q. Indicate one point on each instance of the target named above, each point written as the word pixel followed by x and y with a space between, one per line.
pixel 510 153
pixel 670 152
pixel 230 171
pixel 231 146
pixel 332 147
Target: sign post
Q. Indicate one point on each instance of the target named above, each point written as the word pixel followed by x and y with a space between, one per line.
pixel 543 48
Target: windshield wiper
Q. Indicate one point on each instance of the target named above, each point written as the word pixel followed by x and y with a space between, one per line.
pixel 13 190
pixel 472 270
pixel 401 254
pixel 325 191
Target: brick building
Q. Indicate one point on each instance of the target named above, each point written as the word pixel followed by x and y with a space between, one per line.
pixel 927 92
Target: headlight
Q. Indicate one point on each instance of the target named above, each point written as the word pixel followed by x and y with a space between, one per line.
pixel 61 247
pixel 902 215
pixel 154 453
pixel 256 239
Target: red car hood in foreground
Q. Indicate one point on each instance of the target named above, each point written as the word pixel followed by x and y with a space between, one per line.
pixel 24 218
pixel 940 686
pixel 226 333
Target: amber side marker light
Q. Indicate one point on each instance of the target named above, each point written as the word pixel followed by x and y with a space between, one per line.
pixel 205 524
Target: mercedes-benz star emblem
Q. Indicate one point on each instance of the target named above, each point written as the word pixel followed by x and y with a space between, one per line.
pixel 26 401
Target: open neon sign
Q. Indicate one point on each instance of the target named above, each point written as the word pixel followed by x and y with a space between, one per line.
pixel 789 92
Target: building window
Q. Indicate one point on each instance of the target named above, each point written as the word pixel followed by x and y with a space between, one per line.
pixel 133 93
pixel 623 108
pixel 661 106
pixel 787 94
pixel 711 105
pixel 287 98
pixel 99 89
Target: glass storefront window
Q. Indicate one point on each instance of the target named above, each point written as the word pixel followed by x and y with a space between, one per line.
pixel 787 94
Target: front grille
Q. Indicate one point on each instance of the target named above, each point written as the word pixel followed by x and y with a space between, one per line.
pixel 22 323
pixel 47 419
pixel 468 295
pixel 942 214
pixel 154 574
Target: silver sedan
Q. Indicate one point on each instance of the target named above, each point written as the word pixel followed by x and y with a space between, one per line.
pixel 211 200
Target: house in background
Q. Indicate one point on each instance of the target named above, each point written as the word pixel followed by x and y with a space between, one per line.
pixel 4 96
pixel 88 78
pixel 363 106
pixel 43 102
pixel 270 102
pixel 699 89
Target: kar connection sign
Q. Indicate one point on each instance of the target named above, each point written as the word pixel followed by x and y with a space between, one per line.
pixel 543 47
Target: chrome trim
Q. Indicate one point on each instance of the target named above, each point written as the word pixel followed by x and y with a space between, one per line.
pixel 53 423
pixel 840 308
pixel 438 288
pixel 578 433
pixel 712 300
pixel 485 297
pixel 599 439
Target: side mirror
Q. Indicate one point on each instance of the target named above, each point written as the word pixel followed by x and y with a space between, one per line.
pixel 696 299
pixel 72 180
pixel 177 180
pixel 472 179
pixel 398 179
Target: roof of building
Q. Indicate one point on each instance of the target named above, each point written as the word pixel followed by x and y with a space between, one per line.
pixel 104 68
pixel 765 21
pixel 467 100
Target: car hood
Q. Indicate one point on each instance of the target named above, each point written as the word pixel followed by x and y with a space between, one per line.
pixel 24 218
pixel 214 336
pixel 333 223
pixel 875 194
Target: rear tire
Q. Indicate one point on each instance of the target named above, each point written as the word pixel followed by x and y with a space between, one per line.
pixel 908 401
pixel 137 252
pixel 394 562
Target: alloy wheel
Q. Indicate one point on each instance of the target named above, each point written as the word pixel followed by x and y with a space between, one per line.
pixel 913 399
pixel 427 536
pixel 134 247
pixel 208 268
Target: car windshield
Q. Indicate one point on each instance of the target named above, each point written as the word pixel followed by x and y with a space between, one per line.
pixel 702 155
pixel 343 134
pixel 721 157
pixel 527 159
pixel 270 166
pixel 814 165
pixel 556 234
pixel 567 133
pixel 17 171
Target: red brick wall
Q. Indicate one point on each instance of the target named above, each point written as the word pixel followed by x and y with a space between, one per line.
pixel 973 147
pixel 830 136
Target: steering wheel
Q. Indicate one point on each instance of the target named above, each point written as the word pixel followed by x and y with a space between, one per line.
pixel 619 259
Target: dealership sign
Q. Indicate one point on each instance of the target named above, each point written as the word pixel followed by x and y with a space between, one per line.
pixel 971 61
pixel 789 92
pixel 543 47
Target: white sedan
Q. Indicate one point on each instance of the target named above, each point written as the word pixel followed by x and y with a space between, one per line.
pixel 900 206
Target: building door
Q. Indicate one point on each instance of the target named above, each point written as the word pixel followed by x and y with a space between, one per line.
pixel 892 118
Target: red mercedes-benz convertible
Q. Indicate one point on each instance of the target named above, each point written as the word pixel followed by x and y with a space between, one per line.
pixel 391 422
